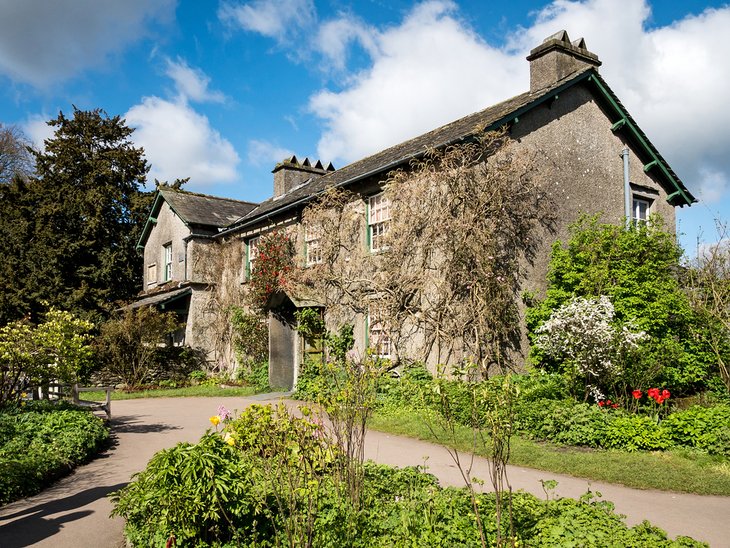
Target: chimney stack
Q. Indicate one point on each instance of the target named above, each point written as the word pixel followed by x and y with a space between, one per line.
pixel 556 58
pixel 290 173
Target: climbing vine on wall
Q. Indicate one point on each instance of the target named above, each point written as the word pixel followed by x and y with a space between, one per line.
pixel 271 267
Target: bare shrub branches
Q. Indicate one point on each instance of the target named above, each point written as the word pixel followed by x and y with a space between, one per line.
pixel 464 224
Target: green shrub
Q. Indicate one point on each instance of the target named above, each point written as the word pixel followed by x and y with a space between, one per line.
pixel 212 494
pixel 634 432
pixel 705 428
pixel 256 375
pixel 42 443
pixel 562 421
pixel 200 493
pixel 589 522
pixel 637 269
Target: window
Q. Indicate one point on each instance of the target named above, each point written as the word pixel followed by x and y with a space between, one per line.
pixel 378 217
pixel 152 274
pixel 378 337
pixel 312 249
pixel 252 252
pixel 640 209
pixel 168 262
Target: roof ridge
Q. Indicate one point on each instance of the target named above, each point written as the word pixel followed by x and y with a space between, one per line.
pixel 201 195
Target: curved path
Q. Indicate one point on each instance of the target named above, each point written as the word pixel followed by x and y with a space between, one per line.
pixel 74 513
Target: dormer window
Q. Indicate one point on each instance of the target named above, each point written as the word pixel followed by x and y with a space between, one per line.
pixel 167 252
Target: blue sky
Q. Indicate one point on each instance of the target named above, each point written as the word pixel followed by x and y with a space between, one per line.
pixel 220 90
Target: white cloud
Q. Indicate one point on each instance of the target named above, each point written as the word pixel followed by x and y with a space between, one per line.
pixel 433 68
pixel 44 42
pixel 261 152
pixel 37 129
pixel 192 83
pixel 180 142
pixel 334 38
pixel 424 73
pixel 278 19
pixel 713 184
pixel 673 79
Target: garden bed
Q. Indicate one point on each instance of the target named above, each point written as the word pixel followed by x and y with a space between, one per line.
pixel 41 442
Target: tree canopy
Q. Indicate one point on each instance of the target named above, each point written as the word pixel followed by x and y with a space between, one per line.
pixel 69 232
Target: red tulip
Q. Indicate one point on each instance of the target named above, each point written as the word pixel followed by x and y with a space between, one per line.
pixel 665 394
pixel 637 394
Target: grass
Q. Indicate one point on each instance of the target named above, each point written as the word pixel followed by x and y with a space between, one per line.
pixel 680 470
pixel 187 391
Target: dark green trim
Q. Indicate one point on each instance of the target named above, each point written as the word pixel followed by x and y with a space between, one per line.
pixel 647 148
pixel 650 165
pixel 248 260
pixel 367 329
pixel 618 125
pixel 151 220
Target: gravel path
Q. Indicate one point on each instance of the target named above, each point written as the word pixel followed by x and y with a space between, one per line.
pixel 74 513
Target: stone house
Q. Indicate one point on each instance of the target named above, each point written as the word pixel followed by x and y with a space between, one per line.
pixel 596 160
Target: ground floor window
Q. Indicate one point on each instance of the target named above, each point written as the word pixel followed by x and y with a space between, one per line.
pixel 378 338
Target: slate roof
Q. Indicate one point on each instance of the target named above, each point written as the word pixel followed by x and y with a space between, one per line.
pixel 204 210
pixel 159 298
pixel 490 118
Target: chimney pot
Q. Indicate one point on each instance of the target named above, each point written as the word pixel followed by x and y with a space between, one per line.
pixel 556 58
pixel 290 173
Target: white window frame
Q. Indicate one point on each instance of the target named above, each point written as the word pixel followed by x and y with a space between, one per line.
pixel 378 338
pixel 252 252
pixel 312 248
pixel 378 221
pixel 167 252
pixel 641 207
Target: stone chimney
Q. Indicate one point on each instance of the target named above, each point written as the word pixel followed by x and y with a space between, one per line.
pixel 556 58
pixel 291 173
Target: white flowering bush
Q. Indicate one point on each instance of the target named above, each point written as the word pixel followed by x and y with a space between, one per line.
pixel 583 336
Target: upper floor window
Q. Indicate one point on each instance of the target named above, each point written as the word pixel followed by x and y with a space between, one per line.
pixel 378 336
pixel 167 250
pixel 312 249
pixel 252 253
pixel 378 221
pixel 640 209
pixel 152 274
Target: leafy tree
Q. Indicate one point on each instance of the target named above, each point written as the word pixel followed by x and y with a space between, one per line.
pixel 637 269
pixel 59 348
pixel 72 228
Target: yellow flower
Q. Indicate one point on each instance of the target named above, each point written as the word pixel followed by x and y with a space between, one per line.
pixel 229 440
pixel 215 420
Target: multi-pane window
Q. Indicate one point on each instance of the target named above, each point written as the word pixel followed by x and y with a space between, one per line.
pixel 378 221
pixel 167 250
pixel 640 210
pixel 252 253
pixel 312 249
pixel 378 337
